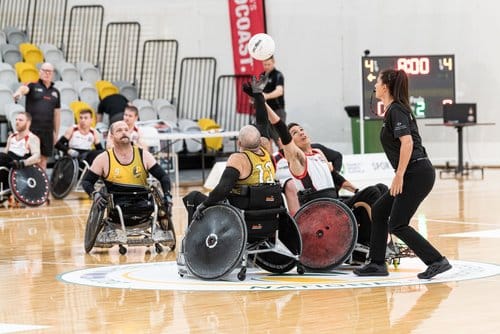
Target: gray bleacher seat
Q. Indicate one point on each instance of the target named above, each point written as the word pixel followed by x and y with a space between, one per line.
pixel 68 93
pixel 8 76
pixel 87 93
pixel 15 36
pixel 127 89
pixel 146 110
pixel 67 119
pixel 166 111
pixel 188 125
pixel 11 110
pixel 10 54
pixel 51 53
pixel 5 98
pixel 88 72
pixel 3 37
pixel 68 72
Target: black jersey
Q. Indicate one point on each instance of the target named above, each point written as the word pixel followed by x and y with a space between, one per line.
pixel 398 122
pixel 275 79
pixel 40 103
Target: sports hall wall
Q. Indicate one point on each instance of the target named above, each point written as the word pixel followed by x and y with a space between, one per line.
pixel 319 49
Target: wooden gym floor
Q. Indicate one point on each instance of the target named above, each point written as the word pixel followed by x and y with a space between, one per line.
pixel 38 244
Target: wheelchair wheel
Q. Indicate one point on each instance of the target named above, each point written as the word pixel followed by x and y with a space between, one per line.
pixel 29 185
pixel 289 235
pixel 95 223
pixel 329 232
pixel 164 217
pixel 64 177
pixel 214 245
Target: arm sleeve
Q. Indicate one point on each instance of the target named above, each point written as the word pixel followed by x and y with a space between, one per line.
pixel 98 146
pixel 89 181
pixel 338 179
pixel 161 176
pixel 226 184
pixel 283 132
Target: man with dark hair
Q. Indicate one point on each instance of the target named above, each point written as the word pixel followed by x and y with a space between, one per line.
pixel 43 103
pixel 81 140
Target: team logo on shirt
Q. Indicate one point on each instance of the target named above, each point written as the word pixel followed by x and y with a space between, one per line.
pixel 136 171
pixel 54 94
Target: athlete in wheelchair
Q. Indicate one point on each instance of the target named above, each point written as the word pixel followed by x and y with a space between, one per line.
pixel 80 145
pixel 20 176
pixel 243 218
pixel 127 210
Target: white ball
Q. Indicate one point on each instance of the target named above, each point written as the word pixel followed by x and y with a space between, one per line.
pixel 261 46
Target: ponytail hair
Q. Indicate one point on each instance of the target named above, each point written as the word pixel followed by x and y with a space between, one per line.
pixel 397 82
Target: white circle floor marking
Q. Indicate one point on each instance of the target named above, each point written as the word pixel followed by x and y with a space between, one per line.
pixel 164 276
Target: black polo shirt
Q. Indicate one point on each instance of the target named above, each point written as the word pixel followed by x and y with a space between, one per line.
pixel 40 103
pixel 112 105
pixel 398 122
pixel 275 79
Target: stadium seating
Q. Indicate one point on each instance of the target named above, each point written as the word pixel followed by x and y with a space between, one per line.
pixel 27 72
pixel 88 72
pixel 10 54
pixel 31 53
pixel 87 93
pixel 67 92
pixel 105 88
pixel 146 110
pixel 166 111
pixel 77 106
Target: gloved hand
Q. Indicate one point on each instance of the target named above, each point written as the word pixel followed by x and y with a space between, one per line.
pixel 198 214
pixel 259 84
pixel 247 88
pixel 101 200
pixel 73 153
pixel 168 202
pixel 16 164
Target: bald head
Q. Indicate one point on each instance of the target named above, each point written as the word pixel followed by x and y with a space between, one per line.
pixel 249 137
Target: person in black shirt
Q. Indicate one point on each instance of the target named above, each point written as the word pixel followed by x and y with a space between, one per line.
pixel 113 105
pixel 413 181
pixel 43 103
pixel 274 91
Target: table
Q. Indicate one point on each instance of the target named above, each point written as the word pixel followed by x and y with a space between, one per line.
pixel 459 126
pixel 170 137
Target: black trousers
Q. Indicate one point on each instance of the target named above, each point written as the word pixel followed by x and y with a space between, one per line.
pixel 393 214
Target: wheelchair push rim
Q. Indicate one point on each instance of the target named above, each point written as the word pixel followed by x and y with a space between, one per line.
pixel 95 223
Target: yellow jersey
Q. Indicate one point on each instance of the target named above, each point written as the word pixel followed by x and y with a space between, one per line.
pixel 133 174
pixel 262 169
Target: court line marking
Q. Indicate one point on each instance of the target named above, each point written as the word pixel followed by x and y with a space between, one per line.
pixel 13 328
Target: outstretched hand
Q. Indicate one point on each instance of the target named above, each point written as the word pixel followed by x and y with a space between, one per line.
pixel 259 84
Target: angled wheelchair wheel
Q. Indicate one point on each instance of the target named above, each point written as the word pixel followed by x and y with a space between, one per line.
pixel 164 217
pixel 214 245
pixel 29 185
pixel 64 177
pixel 95 223
pixel 329 232
pixel 289 236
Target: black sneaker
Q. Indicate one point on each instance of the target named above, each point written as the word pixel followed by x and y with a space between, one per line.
pixel 372 269
pixel 435 268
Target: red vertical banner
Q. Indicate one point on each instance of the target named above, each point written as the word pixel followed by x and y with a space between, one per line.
pixel 247 18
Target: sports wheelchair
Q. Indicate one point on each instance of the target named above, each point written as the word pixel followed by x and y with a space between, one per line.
pixel 254 228
pixel 28 185
pixel 137 218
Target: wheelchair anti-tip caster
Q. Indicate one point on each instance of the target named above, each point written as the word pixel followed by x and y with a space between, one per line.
pixel 242 274
pixel 300 269
pixel 158 248
pixel 122 249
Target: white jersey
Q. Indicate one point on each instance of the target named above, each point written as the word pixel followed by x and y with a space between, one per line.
pixel 316 176
pixel 19 147
pixel 283 173
pixel 80 141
